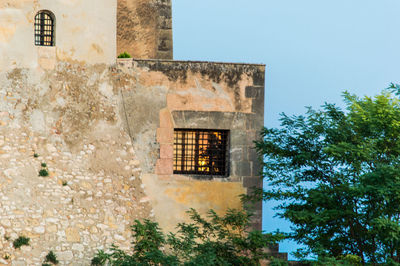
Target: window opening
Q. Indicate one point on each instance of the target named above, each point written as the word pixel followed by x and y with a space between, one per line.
pixel 201 152
pixel 44 28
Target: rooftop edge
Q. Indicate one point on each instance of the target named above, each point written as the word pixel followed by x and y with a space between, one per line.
pixel 189 61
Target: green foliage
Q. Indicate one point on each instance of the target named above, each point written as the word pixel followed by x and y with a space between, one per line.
pixel 278 262
pixel 43 172
pixel 214 240
pixel 124 55
pixel 348 260
pixel 337 174
pixel 352 259
pixel 21 241
pixel 35 155
pixel 101 258
pixel 51 257
pixel 64 183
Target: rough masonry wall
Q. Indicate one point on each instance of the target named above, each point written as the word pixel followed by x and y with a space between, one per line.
pixel 85 32
pixel 70 120
pixel 145 28
pixel 105 134
pixel 162 95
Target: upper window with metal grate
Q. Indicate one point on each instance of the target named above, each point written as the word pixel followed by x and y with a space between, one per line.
pixel 44 28
pixel 201 152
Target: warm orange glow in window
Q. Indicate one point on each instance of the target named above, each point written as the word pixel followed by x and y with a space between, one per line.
pixel 202 152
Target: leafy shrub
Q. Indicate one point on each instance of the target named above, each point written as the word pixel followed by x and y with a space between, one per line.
pixel 43 172
pixel 348 260
pixel 124 55
pixel 51 257
pixel 278 262
pixel 210 241
pixel 21 241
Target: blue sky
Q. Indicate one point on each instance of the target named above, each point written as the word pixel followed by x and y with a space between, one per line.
pixel 313 50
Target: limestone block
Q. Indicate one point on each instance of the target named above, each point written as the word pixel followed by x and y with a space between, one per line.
pixel 6 222
pixel 18 263
pixel 166 151
pixel 52 228
pixel 165 135
pixel 72 234
pixel 65 255
pixel 94 230
pixel 165 167
pixel 166 119
pixel 78 247
pixel 39 229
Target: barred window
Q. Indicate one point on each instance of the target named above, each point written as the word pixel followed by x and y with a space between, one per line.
pixel 44 28
pixel 201 152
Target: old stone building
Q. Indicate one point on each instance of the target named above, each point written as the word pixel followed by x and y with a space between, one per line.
pixel 89 142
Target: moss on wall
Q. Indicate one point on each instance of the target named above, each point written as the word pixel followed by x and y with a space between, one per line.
pixel 231 74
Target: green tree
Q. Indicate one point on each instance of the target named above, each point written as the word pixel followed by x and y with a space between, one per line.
pixel 216 240
pixel 337 174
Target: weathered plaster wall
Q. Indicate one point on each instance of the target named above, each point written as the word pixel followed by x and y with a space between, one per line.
pixel 105 131
pixel 106 135
pixel 71 118
pixel 145 28
pixel 163 95
pixel 85 31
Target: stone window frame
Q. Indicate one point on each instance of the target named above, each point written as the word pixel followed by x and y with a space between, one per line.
pixel 198 140
pixel 45 28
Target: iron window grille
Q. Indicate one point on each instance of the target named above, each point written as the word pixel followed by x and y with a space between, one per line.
pixel 201 152
pixel 44 28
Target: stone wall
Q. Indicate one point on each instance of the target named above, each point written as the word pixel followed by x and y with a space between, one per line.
pixel 105 135
pixel 70 120
pixel 163 95
pixel 102 134
pixel 85 32
pixel 145 28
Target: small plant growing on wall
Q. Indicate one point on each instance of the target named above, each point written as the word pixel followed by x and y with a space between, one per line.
pixel 124 55
pixel 50 258
pixel 21 241
pixel 43 172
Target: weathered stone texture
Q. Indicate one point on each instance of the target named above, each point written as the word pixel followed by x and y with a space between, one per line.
pixel 104 133
pixel 200 95
pixel 106 136
pixel 70 118
pixel 145 28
